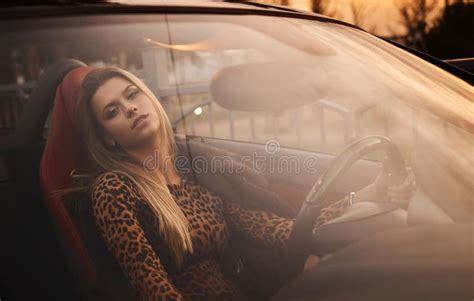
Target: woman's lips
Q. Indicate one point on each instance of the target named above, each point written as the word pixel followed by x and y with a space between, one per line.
pixel 139 120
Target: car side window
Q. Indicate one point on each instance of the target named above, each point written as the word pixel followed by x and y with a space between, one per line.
pixel 325 125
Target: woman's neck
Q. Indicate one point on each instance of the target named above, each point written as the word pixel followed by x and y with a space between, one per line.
pixel 149 158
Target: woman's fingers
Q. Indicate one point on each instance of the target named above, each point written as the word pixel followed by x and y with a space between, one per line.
pixel 408 184
pixel 400 196
pixel 401 189
pixel 401 202
pixel 311 262
pixel 402 192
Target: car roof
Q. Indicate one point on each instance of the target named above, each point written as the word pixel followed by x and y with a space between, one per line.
pixel 43 8
pixel 182 3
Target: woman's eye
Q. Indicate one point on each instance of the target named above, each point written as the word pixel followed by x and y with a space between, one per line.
pixel 132 95
pixel 112 112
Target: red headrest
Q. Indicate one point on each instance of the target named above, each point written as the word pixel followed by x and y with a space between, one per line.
pixel 64 152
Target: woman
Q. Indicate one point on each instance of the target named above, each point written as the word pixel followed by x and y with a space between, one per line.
pixel 163 229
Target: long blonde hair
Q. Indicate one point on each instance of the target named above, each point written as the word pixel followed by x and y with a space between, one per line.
pixel 174 226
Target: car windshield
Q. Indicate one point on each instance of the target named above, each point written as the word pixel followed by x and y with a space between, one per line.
pixel 310 85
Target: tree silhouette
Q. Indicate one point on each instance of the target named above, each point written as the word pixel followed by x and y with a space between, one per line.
pixel 452 35
pixel 414 18
pixel 359 12
pixel 280 2
pixel 321 7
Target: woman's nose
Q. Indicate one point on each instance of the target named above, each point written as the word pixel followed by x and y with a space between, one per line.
pixel 131 110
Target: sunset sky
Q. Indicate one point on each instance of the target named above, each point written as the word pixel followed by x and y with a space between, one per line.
pixel 380 17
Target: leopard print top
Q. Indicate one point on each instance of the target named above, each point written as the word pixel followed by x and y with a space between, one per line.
pixel 130 231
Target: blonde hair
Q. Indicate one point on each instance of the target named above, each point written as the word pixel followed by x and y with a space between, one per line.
pixel 174 226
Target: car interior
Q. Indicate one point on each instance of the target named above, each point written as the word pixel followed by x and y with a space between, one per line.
pixel 52 241
pixel 52 250
pixel 50 163
pixel 55 158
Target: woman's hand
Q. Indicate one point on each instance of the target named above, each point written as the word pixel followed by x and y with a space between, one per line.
pixel 380 190
pixel 401 194
pixel 311 262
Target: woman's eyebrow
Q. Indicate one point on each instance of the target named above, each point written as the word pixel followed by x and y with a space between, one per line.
pixel 124 93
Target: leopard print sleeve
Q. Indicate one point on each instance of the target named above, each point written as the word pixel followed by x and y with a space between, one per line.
pixel 114 205
pixel 266 227
pixel 271 229
pixel 332 211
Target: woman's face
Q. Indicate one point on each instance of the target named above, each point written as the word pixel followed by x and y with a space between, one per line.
pixel 125 113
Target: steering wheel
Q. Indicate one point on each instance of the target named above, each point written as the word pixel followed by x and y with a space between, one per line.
pixel 394 165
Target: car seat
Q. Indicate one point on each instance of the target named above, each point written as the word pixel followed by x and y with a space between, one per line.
pixel 39 261
pixel 96 272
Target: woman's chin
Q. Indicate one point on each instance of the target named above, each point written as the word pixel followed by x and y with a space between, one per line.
pixel 145 136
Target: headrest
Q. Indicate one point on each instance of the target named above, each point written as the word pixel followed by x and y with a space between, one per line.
pixel 64 152
pixel 269 86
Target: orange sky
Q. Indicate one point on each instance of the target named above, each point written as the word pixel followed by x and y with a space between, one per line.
pixel 381 16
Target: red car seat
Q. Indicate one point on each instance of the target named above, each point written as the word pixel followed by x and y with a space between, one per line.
pixel 63 152
pixel 99 276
